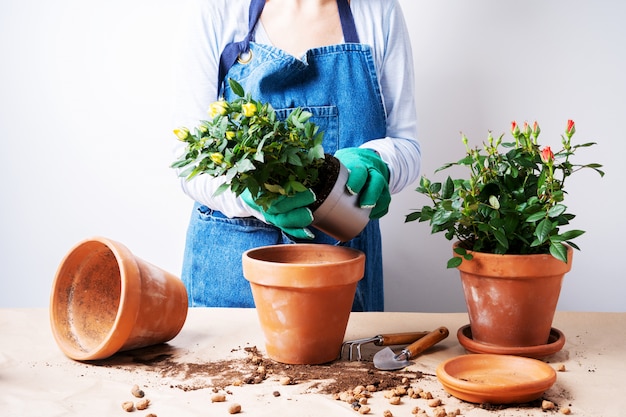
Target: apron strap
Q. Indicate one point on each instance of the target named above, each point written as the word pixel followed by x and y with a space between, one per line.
pixel 232 51
pixel 347 22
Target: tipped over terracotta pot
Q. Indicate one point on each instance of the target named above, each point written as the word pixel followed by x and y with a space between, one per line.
pixel 303 295
pixel 105 300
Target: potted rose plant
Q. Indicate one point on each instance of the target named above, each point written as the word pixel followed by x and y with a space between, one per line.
pixel 247 144
pixel 507 220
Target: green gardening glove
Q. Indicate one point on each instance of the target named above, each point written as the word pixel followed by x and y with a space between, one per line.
pixel 291 214
pixel 369 177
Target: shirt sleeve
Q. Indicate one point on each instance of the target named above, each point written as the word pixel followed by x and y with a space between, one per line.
pixel 391 45
pixel 207 26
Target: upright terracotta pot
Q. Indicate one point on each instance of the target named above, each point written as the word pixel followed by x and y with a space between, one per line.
pixel 303 295
pixel 511 299
pixel 105 300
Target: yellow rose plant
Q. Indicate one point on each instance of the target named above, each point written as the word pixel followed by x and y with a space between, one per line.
pixel 246 143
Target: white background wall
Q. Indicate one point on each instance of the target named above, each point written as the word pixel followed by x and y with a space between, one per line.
pixel 85 92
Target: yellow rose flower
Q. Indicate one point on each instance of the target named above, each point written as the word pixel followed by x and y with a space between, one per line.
pixel 218 108
pixel 217 157
pixel 181 133
pixel 248 109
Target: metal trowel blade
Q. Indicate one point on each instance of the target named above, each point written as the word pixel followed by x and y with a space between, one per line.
pixel 385 359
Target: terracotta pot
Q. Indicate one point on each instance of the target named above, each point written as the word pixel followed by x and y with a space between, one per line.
pixel 303 295
pixel 340 215
pixel 105 300
pixel 511 299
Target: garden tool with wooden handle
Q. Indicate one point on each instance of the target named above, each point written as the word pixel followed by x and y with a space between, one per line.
pixel 388 339
pixel 387 360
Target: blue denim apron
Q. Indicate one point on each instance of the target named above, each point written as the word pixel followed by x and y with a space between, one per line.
pixel 339 85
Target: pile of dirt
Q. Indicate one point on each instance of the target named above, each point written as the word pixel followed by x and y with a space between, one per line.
pixel 253 368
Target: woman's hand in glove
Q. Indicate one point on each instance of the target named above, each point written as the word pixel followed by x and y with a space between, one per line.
pixel 369 177
pixel 289 213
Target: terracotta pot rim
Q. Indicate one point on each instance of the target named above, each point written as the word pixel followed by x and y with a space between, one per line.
pixel 292 246
pixel 270 271
pixel 491 264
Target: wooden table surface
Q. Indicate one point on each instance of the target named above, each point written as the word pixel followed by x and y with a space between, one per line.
pixel 36 379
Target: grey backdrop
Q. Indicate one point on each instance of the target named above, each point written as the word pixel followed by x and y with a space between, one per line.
pixel 85 102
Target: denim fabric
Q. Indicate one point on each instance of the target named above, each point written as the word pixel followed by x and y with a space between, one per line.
pixel 339 85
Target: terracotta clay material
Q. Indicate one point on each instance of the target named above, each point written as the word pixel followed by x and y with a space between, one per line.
pixel 511 299
pixel 495 379
pixel 556 341
pixel 105 300
pixel 303 294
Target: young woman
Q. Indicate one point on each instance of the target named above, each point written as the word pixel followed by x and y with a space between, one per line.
pixel 347 62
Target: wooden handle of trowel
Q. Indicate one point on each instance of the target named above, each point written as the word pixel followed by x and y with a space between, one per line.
pixel 390 339
pixel 425 342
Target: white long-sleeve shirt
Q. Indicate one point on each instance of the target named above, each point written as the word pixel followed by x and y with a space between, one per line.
pixel 212 24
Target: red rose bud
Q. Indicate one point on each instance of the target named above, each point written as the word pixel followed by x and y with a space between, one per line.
pixel 546 155
pixel 571 128
pixel 526 129
pixel 536 129
pixel 515 129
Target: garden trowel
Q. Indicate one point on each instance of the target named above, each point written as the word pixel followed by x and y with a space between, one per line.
pixel 387 360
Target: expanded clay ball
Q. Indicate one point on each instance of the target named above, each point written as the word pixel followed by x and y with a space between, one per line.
pixel 439 412
pixel 218 398
pixel 128 406
pixel 395 400
pixel 426 395
pixel 142 404
pixel 136 391
pixel 435 402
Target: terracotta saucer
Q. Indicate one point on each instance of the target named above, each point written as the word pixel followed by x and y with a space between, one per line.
pixel 556 340
pixel 495 379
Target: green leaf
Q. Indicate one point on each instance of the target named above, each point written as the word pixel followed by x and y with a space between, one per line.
pixel 244 165
pixel 460 251
pixel 435 187
pixel 441 217
pixel 559 251
pixel 221 189
pixel 454 262
pixel 448 189
pixel 500 236
pixel 557 210
pixel 236 87
pixel 536 216
pixel 275 188
pixel 544 228
pixel 571 234
pixel 411 217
